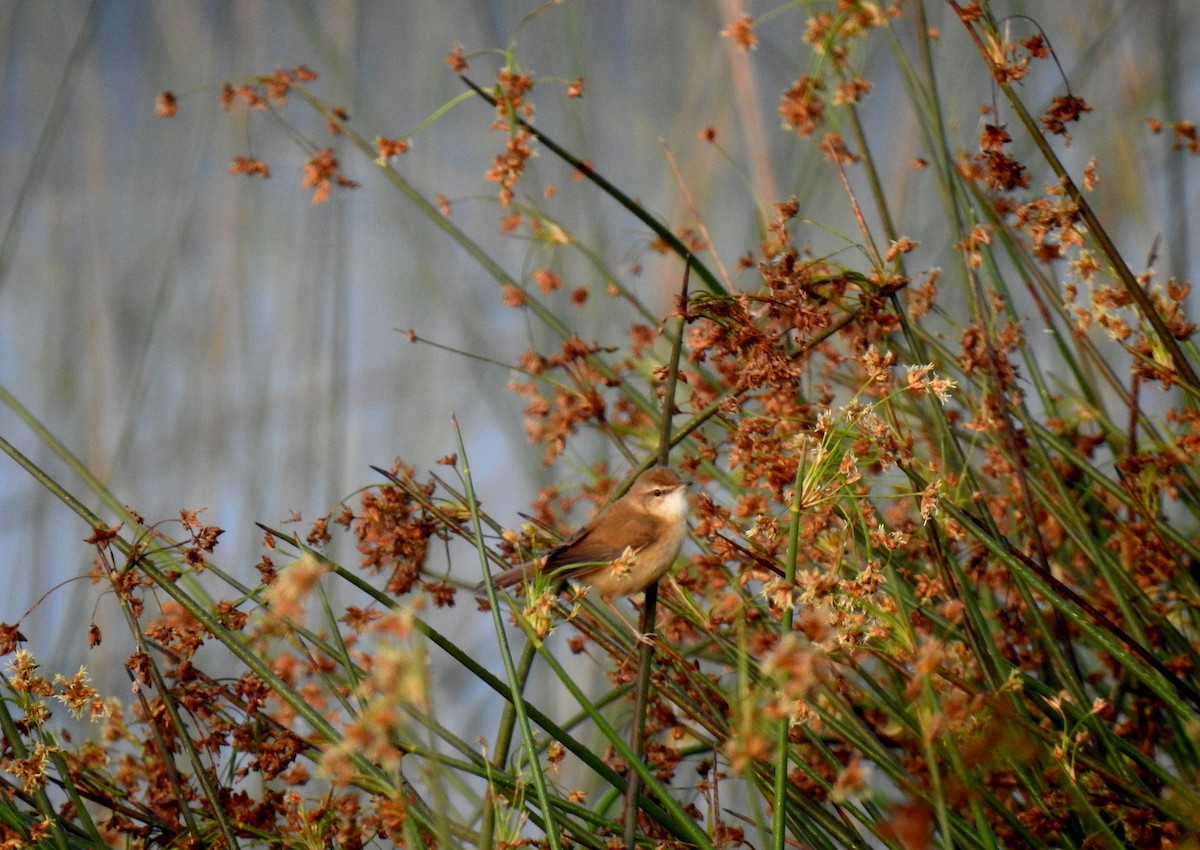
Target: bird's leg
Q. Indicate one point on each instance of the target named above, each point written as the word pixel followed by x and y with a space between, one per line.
pixel 639 636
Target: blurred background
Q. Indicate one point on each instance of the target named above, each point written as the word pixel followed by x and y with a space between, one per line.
pixel 204 340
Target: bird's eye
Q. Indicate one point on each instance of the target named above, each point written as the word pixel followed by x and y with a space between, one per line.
pixel 657 493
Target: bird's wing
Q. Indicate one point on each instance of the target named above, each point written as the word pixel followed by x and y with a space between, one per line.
pixel 585 553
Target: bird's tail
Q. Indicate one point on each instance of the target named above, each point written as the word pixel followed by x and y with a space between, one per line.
pixel 509 578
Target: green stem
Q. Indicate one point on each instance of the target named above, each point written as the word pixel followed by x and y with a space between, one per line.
pixel 518 701
pixel 782 736
pixel 662 232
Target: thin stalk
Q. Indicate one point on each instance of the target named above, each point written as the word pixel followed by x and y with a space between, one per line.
pixel 485 676
pixel 183 735
pixel 515 682
pixel 1096 229
pixel 15 742
pixel 650 605
pixel 782 742
pixel 1110 637
pixel 379 781
pixel 672 815
pixel 504 737
pixel 662 232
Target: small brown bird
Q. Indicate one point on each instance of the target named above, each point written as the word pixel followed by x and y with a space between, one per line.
pixel 627 546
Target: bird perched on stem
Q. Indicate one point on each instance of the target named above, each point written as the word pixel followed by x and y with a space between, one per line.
pixel 626 547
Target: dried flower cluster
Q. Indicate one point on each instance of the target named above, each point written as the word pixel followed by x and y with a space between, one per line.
pixel 936 578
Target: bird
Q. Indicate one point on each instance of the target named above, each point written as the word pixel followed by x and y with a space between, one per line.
pixel 626 547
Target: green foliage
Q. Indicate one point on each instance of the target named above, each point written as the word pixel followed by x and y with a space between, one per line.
pixel 942 584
